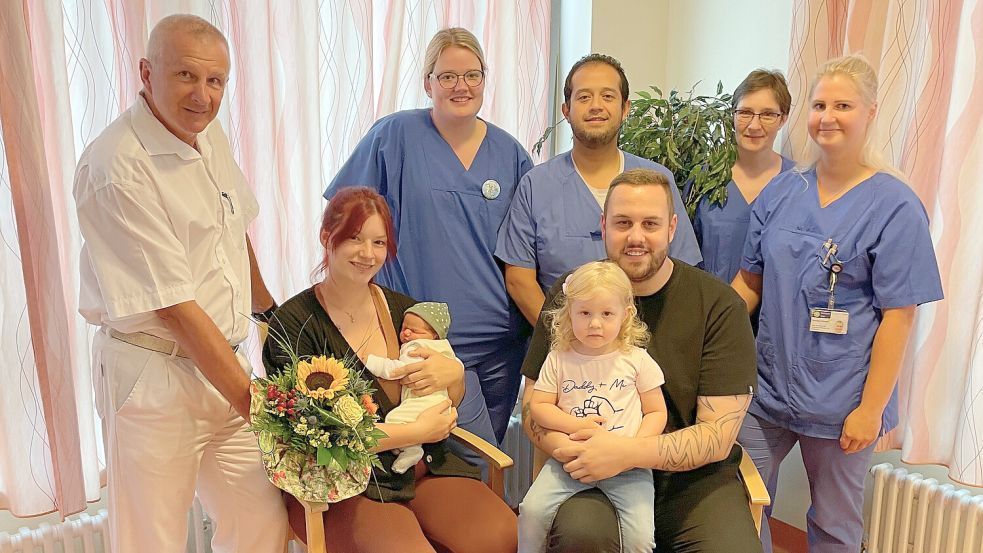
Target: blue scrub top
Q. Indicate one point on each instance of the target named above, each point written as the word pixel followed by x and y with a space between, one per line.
pixel 445 226
pixel 722 230
pixel 554 223
pixel 809 382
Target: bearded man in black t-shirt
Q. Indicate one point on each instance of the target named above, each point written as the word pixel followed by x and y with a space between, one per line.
pixel 701 337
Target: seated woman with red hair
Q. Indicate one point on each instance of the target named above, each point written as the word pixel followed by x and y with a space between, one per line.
pixel 442 501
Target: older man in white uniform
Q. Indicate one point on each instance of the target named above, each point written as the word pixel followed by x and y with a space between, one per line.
pixel 168 275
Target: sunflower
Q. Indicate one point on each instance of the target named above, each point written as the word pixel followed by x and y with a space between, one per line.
pixel 321 377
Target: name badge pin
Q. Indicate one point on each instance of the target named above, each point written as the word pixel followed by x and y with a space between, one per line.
pixel 491 189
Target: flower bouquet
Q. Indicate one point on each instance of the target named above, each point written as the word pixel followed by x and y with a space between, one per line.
pixel 316 426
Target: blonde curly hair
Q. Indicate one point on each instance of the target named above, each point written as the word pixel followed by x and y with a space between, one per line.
pixel 584 284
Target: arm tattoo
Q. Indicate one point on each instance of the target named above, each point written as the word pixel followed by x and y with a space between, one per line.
pixel 536 432
pixel 707 441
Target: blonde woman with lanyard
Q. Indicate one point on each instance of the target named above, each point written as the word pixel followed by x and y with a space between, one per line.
pixel 838 256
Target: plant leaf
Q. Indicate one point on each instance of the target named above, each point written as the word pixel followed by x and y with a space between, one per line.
pixel 693 136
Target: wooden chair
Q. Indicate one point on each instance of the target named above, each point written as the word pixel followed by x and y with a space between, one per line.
pixel 754 486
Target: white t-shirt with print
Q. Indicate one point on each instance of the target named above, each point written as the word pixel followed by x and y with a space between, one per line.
pixel 606 385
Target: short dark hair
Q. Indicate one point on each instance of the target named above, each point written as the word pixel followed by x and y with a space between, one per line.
pixel 595 58
pixel 764 79
pixel 641 177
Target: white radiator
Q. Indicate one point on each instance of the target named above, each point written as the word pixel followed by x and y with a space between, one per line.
pixel 914 514
pixel 81 534
pixel 85 534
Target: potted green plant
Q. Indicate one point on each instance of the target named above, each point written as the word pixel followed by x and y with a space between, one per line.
pixel 693 136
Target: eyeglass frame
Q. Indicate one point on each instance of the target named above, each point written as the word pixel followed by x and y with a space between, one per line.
pixel 459 76
pixel 750 115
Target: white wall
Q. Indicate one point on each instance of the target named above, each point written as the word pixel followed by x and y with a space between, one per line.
pixel 674 44
pixel 636 33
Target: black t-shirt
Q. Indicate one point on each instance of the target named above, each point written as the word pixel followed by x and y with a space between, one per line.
pixel 302 323
pixel 701 337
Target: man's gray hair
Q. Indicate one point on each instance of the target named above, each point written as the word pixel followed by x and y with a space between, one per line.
pixel 186 23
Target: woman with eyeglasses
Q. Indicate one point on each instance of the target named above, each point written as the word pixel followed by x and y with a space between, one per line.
pixel 838 256
pixel 448 177
pixel 761 104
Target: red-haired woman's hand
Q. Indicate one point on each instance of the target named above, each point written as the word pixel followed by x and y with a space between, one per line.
pixel 435 424
pixel 435 372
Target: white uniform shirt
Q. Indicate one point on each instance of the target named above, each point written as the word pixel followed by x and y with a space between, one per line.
pixel 162 224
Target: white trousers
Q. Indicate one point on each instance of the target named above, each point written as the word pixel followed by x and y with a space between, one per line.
pixel 169 433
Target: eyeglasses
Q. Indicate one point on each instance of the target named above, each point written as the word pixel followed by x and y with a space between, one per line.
pixel 449 79
pixel 765 117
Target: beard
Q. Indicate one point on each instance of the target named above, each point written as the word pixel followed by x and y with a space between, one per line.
pixel 637 269
pixel 594 137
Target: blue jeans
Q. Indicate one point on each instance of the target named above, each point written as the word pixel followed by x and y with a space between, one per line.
pixel 630 492
pixel 834 522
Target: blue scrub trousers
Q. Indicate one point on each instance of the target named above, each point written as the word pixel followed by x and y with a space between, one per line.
pixel 472 415
pixel 834 521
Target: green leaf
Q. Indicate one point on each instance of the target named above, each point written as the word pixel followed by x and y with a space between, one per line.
pixel 335 454
pixel 538 146
pixel 327 416
pixel 323 456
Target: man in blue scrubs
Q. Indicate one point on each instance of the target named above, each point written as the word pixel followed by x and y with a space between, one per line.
pixel 553 224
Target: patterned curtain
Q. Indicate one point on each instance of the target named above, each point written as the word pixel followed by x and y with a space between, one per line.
pixel 309 78
pixel 930 125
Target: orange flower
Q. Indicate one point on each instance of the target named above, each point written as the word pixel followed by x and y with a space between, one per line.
pixel 369 405
pixel 321 377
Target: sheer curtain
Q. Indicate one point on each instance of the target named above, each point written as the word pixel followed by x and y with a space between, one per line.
pixel 309 77
pixel 930 125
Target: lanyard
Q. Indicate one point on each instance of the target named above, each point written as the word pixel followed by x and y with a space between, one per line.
pixel 832 264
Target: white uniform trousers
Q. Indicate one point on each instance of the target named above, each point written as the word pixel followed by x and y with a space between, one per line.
pixel 168 432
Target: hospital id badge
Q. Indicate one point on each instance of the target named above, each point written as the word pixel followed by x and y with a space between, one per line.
pixel 829 321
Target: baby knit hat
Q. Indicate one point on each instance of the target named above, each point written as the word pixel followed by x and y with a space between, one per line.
pixel 434 314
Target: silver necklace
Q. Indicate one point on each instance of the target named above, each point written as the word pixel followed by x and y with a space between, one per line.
pixel 324 299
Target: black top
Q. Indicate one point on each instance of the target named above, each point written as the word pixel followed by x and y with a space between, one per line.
pixel 306 327
pixel 701 337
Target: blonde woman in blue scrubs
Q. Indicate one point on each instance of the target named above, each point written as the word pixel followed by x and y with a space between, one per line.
pixel 838 256
pixel 449 177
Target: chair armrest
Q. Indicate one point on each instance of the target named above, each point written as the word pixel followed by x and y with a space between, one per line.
pixel 491 454
pixel 314 519
pixel 313 507
pixel 756 491
pixel 497 461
